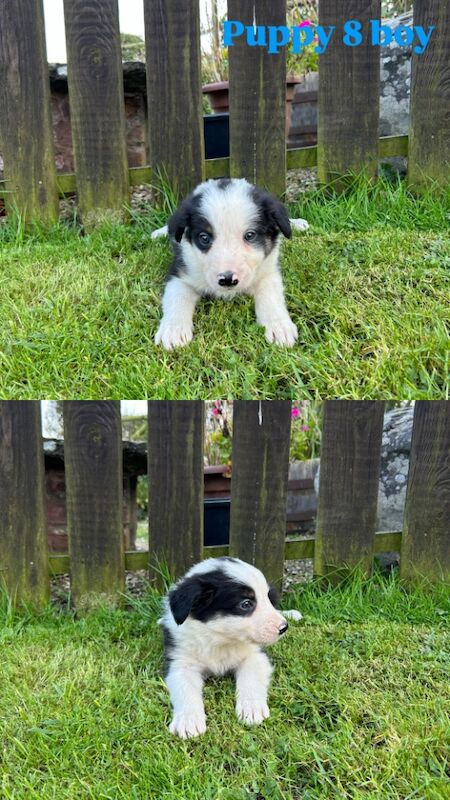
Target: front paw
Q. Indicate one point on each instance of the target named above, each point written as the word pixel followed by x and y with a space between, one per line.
pixel 173 335
pixel 188 725
pixel 252 712
pixel 281 331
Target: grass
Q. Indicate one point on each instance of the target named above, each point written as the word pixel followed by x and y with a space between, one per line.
pixel 359 706
pixel 368 286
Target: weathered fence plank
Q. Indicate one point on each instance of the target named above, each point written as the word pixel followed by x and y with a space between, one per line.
pixel 349 95
pixel 261 436
pixel 429 142
pixel 25 119
pixel 97 110
pixel 23 524
pixel 348 492
pixel 426 530
pixel 175 128
pixel 94 491
pixel 258 100
pixel 175 484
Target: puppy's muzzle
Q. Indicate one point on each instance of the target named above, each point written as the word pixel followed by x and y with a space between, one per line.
pixel 283 628
pixel 227 279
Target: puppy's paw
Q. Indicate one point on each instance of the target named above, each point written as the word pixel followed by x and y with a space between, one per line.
pixel 293 614
pixel 176 335
pixel 299 224
pixel 164 231
pixel 186 726
pixel 252 712
pixel 281 331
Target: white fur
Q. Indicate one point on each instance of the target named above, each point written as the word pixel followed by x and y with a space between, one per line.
pixel 231 212
pixel 222 644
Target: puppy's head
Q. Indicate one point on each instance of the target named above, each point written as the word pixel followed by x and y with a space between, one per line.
pixel 231 598
pixel 227 228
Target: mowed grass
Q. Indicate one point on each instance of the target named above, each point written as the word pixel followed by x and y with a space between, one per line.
pixel 368 287
pixel 359 706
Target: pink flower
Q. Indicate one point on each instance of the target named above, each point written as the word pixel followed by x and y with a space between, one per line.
pixel 305 23
pixel 304 428
pixel 215 412
pixel 295 412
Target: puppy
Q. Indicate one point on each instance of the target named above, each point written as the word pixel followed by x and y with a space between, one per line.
pixel 226 241
pixel 217 619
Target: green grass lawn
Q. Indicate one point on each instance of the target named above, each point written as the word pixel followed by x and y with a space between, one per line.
pixel 359 706
pixel 368 286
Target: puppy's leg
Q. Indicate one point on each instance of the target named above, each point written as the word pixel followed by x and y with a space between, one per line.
pixel 252 683
pixel 179 301
pixel 186 693
pixel 271 311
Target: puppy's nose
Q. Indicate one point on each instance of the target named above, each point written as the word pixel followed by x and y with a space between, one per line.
pixel 283 628
pixel 228 279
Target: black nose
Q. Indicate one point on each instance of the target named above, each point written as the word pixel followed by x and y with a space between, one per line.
pixel 283 628
pixel 226 279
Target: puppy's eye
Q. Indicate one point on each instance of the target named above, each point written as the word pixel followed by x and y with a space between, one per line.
pixel 250 236
pixel 246 605
pixel 204 238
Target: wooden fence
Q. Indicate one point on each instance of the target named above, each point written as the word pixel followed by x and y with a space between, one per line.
pixel 348 104
pixel 345 538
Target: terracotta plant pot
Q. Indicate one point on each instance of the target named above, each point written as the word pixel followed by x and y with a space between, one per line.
pixel 218 95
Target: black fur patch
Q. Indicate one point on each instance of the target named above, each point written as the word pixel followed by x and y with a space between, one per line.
pixel 273 216
pixel 273 596
pixel 168 648
pixel 210 595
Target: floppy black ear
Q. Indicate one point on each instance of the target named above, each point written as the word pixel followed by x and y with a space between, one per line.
pixel 180 220
pixel 191 593
pixel 273 596
pixel 278 215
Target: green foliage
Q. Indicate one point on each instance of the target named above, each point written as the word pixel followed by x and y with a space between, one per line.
pixel 305 431
pixel 133 47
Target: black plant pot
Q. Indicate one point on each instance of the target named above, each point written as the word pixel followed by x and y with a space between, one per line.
pixel 217 135
pixel 217 520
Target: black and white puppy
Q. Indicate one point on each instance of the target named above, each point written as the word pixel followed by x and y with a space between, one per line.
pixel 217 619
pixel 226 241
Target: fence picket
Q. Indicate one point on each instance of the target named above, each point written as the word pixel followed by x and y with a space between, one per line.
pixel 426 530
pixel 429 138
pixel 175 484
pixel 23 524
pixel 258 100
pixel 175 116
pixel 94 491
pixel 349 95
pixel 261 436
pixel 348 492
pixel 25 118
pixel 97 111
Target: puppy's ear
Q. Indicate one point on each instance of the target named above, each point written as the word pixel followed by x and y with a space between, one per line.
pixel 180 220
pixel 191 593
pixel 278 215
pixel 273 596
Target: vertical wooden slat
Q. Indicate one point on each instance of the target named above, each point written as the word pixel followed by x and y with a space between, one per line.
pixel 258 100
pixel 94 489
pixel 23 521
pixel 426 531
pixel 97 110
pixel 349 95
pixel 25 119
pixel 175 484
pixel 429 136
pixel 261 437
pixel 348 492
pixel 175 116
